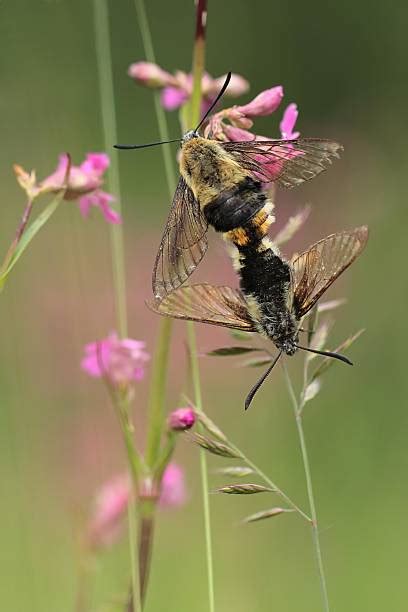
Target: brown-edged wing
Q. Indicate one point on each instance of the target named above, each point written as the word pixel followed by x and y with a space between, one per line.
pixel 205 303
pixel 317 268
pixel 183 244
pixel 286 162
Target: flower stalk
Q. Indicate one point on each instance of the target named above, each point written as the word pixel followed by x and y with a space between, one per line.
pixel 106 90
pixel 298 405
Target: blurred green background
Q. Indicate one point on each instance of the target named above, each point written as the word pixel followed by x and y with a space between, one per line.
pixel 344 65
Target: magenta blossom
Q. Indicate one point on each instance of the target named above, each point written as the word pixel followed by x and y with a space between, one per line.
pixel 82 183
pixel 172 487
pixel 122 361
pixel 181 419
pixel 177 88
pixel 110 507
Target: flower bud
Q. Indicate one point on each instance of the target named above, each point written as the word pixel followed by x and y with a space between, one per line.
pixel 150 75
pixel 288 122
pixel 264 103
pixel 181 419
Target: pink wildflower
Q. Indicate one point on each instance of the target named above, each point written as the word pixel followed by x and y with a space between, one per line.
pixel 181 419
pixel 110 507
pixel 122 361
pixel 177 88
pixel 172 487
pixel 84 183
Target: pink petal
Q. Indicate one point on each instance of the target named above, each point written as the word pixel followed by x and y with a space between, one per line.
pixel 172 98
pixel 172 488
pixel 95 163
pixel 288 122
pixel 149 74
pixel 265 103
pixel 236 134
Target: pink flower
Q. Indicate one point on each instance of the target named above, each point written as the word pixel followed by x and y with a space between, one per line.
pixel 263 104
pixel 149 74
pixel 100 199
pixel 83 183
pixel 177 88
pixel 288 122
pixel 172 98
pixel 110 507
pixel 181 419
pixel 172 487
pixel 122 361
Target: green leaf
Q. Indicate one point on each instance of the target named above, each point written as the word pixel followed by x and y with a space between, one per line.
pixel 231 350
pixel 29 234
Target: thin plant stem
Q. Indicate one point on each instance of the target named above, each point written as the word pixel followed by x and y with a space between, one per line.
pixel 160 114
pixel 107 97
pixel 195 110
pixel 298 407
pixel 160 365
pixel 106 90
pixel 19 233
pixel 157 391
pixel 195 374
pixel 198 62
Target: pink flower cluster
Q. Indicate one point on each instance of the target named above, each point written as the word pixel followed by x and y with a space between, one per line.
pixel 120 360
pixel 82 183
pixel 113 499
pixel 240 118
pixel 176 89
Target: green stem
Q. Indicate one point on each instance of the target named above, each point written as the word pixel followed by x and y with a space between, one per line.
pixel 195 374
pixel 298 407
pixel 195 110
pixel 160 114
pixel 106 90
pixel 198 62
pixel 157 391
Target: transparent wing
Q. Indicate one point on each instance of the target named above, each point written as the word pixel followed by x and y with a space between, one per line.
pixel 317 268
pixel 206 304
pixel 183 244
pixel 286 162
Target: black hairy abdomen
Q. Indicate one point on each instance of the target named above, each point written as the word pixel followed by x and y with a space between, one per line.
pixel 235 207
pixel 264 275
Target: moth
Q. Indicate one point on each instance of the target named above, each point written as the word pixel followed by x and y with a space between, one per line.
pixel 274 303
pixel 222 185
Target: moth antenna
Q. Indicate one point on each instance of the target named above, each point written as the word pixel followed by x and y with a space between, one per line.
pixel 338 356
pixel 144 146
pixel 255 388
pixel 220 94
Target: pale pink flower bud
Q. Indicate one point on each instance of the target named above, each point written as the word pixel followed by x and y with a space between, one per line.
pixel 121 360
pixel 181 419
pixel 110 507
pixel 172 487
pixel 149 74
pixel 264 103
pixel 236 134
pixel 236 87
pixel 173 97
pixel 288 122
